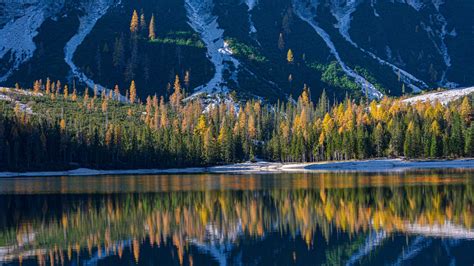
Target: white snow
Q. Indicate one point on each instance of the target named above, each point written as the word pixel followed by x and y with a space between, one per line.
pixel 444 97
pixel 390 165
pixel 416 4
pixel 343 13
pixel 17 35
pixel 251 4
pixel 436 28
pixel 306 10
pixel 445 230
pixel 93 11
pixel 437 37
pixel 8 94
pixel 382 165
pixel 202 20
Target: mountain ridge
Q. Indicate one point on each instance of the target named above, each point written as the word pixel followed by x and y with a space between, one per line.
pixel 389 47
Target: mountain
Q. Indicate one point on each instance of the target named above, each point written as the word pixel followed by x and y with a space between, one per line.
pixel 218 46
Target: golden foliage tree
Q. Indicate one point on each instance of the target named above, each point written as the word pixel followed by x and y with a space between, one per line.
pixel 151 28
pixel 133 92
pixel 134 22
pixel 290 57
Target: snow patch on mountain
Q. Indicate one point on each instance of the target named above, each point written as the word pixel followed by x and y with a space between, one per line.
pixel 437 33
pixel 93 11
pixel 436 28
pixel 251 4
pixel 16 36
pixel 342 11
pixel 202 20
pixel 443 97
pixel 306 10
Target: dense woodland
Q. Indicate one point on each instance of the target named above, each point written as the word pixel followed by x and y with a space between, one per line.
pixel 59 129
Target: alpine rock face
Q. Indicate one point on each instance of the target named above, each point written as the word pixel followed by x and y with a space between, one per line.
pixel 360 47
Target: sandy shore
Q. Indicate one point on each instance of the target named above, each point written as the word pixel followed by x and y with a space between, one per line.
pixel 381 165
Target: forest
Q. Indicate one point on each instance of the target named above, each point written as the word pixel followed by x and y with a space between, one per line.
pixel 53 127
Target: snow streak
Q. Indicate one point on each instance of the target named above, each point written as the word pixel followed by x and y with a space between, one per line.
pixel 343 13
pixel 93 11
pixel 251 4
pixel 306 10
pixel 201 19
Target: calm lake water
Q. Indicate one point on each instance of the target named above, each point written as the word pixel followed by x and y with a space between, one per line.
pixel 417 218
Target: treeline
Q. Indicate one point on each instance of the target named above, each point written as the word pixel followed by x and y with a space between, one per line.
pixel 67 130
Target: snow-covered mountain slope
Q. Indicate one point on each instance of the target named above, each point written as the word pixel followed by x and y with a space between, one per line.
pixel 444 97
pixel 202 20
pixel 93 11
pixel 306 10
pixel 343 46
pixel 22 19
pixel 342 11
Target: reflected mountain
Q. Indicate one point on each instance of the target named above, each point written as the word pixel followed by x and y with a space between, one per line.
pixel 329 219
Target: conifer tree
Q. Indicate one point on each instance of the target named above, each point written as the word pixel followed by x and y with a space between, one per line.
pixel 281 42
pixel 177 95
pixel 290 57
pixel 133 92
pixel 48 86
pixel 134 22
pixel 142 21
pixel 66 92
pixel 151 28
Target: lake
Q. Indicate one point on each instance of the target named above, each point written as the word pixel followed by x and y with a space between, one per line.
pixel 416 218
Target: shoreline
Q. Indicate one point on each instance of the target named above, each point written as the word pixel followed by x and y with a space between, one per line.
pixel 362 166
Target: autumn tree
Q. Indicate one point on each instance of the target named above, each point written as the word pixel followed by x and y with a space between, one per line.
pixel 132 92
pixel 134 23
pixel 177 95
pixel 289 57
pixel 151 28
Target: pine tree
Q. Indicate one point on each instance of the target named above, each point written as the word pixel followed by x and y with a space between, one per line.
pixel 37 86
pixel 281 42
pixel 379 136
pixel 118 57
pixel 289 57
pixel 134 22
pixel 48 86
pixel 117 93
pixel 142 21
pixel 469 145
pixel 133 92
pixel 187 79
pixel 177 95
pixel 465 109
pixel 66 92
pixel 151 29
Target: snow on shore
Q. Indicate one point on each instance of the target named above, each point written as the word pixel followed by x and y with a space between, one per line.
pixel 388 165
pixel 444 97
pixel 306 11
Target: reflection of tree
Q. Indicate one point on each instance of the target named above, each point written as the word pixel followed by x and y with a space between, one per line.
pixel 180 217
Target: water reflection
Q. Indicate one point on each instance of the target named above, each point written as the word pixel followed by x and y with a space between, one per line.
pixel 222 219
